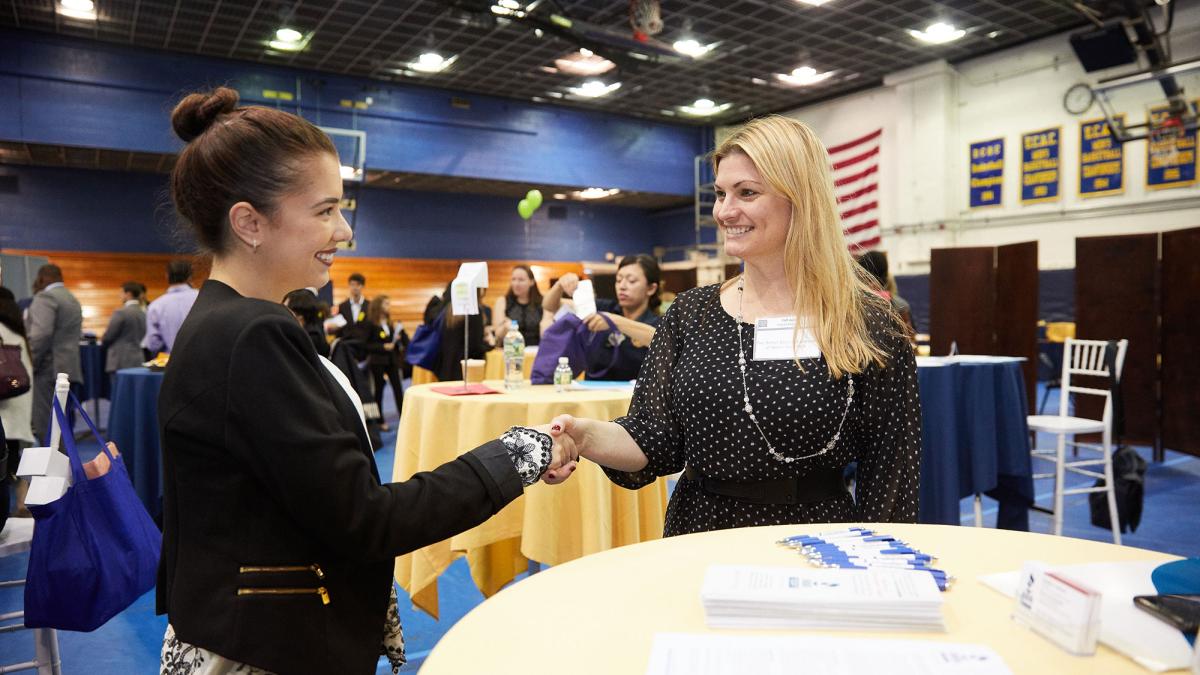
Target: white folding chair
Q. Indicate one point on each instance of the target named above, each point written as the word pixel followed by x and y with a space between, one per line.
pixel 16 538
pixel 1080 358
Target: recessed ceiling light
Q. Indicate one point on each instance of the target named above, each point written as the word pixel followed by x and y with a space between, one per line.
pixel 692 48
pixel 994 34
pixel 507 8
pixel 938 33
pixel 559 195
pixel 704 107
pixel 78 9
pixel 815 3
pixel 431 62
pixel 804 76
pixel 595 193
pixel 509 4
pixel 595 89
pixel 288 35
pixel 585 52
pixel 584 65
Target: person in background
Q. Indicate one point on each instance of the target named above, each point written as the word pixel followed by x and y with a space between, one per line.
pixel 876 263
pixel 354 308
pixel 634 312
pixel 765 428
pixel 167 312
pixel 54 327
pixel 279 539
pixel 15 412
pixel 383 350
pixel 307 309
pixel 123 337
pixel 523 304
pixel 453 325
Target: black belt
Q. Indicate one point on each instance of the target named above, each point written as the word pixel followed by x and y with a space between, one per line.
pixel 816 486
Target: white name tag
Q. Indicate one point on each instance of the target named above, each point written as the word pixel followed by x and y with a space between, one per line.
pixel 776 339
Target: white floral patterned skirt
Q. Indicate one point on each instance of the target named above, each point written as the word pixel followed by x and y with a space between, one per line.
pixel 181 658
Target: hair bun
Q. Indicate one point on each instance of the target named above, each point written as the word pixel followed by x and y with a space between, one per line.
pixel 196 112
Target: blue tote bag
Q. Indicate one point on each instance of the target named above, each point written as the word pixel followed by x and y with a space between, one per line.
pixel 95 549
pixel 425 348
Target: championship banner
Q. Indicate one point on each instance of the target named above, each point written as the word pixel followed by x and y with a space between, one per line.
pixel 1039 165
pixel 1101 160
pixel 1171 161
pixel 987 173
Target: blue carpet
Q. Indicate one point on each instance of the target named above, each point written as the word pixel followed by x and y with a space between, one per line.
pixel 130 642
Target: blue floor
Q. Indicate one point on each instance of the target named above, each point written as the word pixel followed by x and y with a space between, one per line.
pixel 130 642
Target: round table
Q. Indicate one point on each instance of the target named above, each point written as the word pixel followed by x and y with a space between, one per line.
pixel 599 614
pixel 549 524
pixel 493 367
pixel 133 426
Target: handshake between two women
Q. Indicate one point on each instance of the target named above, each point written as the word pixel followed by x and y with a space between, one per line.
pixel 605 443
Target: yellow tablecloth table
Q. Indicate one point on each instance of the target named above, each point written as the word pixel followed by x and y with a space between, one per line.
pixel 549 524
pixel 494 370
pixel 599 614
pixel 422 376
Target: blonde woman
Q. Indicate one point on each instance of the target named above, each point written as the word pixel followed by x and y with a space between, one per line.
pixel 764 416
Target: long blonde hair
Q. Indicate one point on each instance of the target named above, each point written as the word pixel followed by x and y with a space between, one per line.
pixel 831 290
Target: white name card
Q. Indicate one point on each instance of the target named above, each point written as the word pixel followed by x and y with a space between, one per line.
pixel 45 489
pixel 584 298
pixel 776 339
pixel 44 462
pixel 1062 610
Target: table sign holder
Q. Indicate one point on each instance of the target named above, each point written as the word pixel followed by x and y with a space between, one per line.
pixel 1058 608
pixel 464 301
pixel 48 470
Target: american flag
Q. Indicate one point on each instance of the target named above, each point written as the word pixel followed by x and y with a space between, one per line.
pixel 856 182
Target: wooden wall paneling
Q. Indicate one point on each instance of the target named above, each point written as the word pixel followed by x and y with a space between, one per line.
pixel 1181 341
pixel 678 281
pixel 1017 308
pixel 1116 296
pixel 961 299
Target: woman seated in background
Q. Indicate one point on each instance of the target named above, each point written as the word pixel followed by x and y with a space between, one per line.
pixel 634 313
pixel 876 263
pixel 307 309
pixel 453 326
pixel 384 344
pixel 523 304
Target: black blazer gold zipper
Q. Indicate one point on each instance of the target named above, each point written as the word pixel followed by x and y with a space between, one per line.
pixel 266 569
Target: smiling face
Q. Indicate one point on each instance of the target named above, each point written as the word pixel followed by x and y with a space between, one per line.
pixel 754 219
pixel 300 242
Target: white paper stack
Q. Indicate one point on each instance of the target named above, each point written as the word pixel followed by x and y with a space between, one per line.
pixel 740 596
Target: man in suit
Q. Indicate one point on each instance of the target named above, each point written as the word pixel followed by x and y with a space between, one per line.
pixel 354 308
pixel 123 337
pixel 54 328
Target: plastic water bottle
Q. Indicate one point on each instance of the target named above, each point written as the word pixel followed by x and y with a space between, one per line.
pixel 563 375
pixel 514 357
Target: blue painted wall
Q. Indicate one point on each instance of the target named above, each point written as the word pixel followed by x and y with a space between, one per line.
pixel 89 210
pixel 83 93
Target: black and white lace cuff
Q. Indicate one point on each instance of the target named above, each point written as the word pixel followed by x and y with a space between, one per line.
pixel 529 451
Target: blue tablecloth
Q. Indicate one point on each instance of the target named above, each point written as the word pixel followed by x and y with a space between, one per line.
pixel 133 426
pixel 95 380
pixel 975 439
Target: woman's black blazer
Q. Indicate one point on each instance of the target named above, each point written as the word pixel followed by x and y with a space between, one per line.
pixel 270 494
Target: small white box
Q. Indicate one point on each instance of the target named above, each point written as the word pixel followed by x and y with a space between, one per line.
pixel 45 489
pixel 1058 608
pixel 44 462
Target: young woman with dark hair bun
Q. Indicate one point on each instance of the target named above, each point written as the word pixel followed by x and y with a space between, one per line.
pixel 279 538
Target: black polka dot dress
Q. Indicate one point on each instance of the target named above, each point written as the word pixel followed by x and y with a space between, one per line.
pixel 688 410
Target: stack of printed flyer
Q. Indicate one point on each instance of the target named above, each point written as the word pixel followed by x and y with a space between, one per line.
pixel 743 596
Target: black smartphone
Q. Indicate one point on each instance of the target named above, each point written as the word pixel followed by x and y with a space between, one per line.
pixel 1181 611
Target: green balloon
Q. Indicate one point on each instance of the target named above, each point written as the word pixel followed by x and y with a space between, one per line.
pixel 525 209
pixel 534 197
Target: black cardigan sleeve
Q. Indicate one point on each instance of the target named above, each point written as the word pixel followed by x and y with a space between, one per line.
pixel 283 424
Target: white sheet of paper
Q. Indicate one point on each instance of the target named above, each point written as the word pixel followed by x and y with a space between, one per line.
pixel 1123 627
pixel 45 489
pixel 773 340
pixel 584 298
pixel 44 462
pixel 464 298
pixel 709 654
